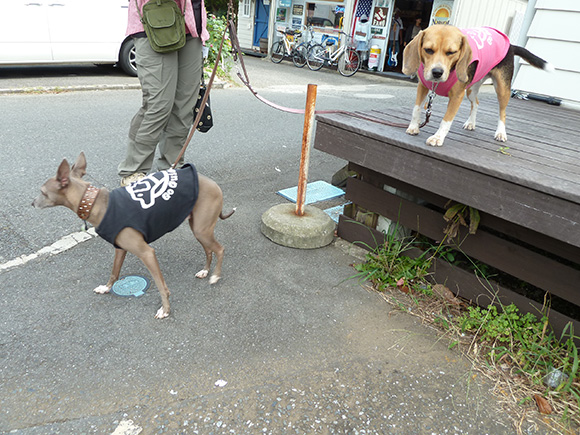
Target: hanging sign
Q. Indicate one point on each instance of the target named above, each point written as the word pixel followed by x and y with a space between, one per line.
pixel 380 17
pixel 297 10
pixel 441 12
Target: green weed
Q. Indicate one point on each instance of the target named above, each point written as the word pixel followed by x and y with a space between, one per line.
pixel 522 345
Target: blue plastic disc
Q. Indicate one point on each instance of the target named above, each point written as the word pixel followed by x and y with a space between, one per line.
pixel 132 285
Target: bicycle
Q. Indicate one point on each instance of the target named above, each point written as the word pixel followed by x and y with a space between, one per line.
pixel 287 47
pixel 345 58
pixel 301 50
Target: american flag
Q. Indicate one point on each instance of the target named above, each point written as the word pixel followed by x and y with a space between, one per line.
pixel 363 7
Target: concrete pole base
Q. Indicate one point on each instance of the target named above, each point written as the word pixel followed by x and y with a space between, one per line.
pixel 313 230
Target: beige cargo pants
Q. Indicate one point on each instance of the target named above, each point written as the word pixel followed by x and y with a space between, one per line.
pixel 170 84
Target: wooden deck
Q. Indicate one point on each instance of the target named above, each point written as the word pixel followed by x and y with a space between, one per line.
pixel 527 189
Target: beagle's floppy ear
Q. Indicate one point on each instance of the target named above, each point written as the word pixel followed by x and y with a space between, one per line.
pixel 412 55
pixel 464 60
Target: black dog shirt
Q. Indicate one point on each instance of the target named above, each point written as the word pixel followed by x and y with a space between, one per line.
pixel 154 205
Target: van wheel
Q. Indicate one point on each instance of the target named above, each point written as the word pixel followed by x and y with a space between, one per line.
pixel 127 58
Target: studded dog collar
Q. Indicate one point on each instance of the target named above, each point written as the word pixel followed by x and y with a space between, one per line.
pixel 87 201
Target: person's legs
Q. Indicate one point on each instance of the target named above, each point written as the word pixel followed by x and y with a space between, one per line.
pixel 181 118
pixel 158 77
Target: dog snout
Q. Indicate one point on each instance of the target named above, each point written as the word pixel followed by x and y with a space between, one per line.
pixel 437 72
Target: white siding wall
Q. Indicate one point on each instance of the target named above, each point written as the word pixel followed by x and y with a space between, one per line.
pixel 246 26
pixel 554 35
pixel 498 14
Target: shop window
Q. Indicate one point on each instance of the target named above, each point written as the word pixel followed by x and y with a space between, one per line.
pixel 325 15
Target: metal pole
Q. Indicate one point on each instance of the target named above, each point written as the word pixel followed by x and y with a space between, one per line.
pixel 305 156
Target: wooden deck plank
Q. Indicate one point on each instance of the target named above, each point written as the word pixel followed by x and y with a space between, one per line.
pixel 544 204
pixel 520 132
pixel 515 232
pixel 478 154
pixel 536 155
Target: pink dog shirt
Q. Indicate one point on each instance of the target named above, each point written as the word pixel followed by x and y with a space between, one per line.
pixel 489 46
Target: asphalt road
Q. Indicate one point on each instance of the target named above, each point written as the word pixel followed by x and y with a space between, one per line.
pixel 284 343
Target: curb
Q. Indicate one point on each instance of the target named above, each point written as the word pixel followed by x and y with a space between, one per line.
pixel 61 89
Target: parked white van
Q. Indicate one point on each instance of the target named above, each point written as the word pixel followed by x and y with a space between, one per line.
pixel 36 32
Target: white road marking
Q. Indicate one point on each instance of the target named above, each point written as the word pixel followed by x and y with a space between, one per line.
pixel 64 244
pixel 127 427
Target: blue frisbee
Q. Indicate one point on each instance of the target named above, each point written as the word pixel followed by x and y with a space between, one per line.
pixel 132 285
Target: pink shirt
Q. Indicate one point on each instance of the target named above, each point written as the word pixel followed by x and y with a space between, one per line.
pixel 134 24
pixel 489 47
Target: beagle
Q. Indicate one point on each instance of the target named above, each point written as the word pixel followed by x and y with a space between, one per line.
pixel 450 61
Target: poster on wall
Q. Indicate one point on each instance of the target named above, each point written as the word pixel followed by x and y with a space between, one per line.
pixel 297 10
pixel 281 14
pixel 380 15
pixel 441 12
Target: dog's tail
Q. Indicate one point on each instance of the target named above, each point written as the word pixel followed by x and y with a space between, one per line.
pixel 532 59
pixel 225 216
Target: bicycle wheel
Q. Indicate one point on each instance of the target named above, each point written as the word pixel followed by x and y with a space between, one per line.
pixel 348 62
pixel 277 51
pixel 315 57
pixel 299 55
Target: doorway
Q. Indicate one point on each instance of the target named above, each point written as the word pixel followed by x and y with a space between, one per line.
pixel 412 13
pixel 261 22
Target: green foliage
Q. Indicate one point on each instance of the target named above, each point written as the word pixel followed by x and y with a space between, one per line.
pixel 216 27
pixel 502 326
pixel 521 343
pixel 388 265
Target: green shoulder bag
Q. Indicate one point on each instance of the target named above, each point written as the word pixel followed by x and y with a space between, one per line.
pixel 164 25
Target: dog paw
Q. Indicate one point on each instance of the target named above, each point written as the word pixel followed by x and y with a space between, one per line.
pixel 434 141
pixel 213 279
pixel 161 314
pixel 501 136
pixel 102 289
pixel 202 274
pixel 469 126
pixel 413 130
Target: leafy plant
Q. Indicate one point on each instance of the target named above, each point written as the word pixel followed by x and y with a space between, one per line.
pixel 515 346
pixel 389 266
pixel 216 27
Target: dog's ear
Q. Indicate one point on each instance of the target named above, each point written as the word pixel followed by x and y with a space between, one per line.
pixel 79 169
pixel 412 55
pixel 464 60
pixel 63 174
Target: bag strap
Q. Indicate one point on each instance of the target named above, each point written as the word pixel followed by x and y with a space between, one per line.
pixel 140 12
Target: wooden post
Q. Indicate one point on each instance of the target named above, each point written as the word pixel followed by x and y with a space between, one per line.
pixel 305 156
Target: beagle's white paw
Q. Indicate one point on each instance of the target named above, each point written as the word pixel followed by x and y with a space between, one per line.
pixel 102 289
pixel 413 129
pixel 435 141
pixel 213 279
pixel 469 125
pixel 500 133
pixel 202 274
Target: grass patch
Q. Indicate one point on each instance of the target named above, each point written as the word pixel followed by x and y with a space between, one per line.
pixel 532 368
